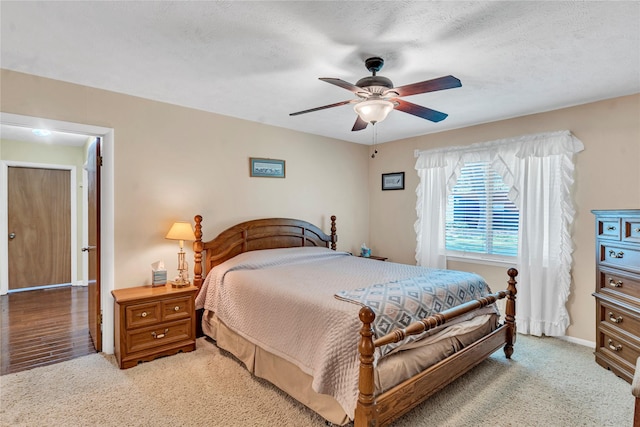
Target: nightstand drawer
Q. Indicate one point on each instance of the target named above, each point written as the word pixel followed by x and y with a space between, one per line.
pixel 143 314
pixel 177 308
pixel 153 322
pixel 158 335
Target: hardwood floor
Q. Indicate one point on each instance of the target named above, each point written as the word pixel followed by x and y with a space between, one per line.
pixel 43 327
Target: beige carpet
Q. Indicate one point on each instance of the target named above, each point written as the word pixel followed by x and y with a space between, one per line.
pixel 548 382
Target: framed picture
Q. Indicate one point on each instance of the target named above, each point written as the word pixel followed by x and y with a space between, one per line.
pixel 270 168
pixel 393 181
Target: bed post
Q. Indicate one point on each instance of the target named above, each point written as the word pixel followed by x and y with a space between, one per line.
pixel 334 237
pixel 510 312
pixel 366 410
pixel 197 249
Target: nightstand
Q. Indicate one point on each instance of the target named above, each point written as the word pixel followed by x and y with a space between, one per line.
pixel 151 322
pixel 377 258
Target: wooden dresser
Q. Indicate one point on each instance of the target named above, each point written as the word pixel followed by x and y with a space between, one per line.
pixel 153 322
pixel 618 290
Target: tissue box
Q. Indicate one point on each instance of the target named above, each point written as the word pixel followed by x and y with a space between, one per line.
pixel 158 274
pixel 159 278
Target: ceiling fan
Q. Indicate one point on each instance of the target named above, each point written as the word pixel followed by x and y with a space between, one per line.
pixel 377 96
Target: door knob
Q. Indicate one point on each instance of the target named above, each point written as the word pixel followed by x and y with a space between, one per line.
pixel 12 236
pixel 88 248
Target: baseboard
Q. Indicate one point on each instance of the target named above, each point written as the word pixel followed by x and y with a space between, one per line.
pixel 579 341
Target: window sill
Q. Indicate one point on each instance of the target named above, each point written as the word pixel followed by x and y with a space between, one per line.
pixel 484 260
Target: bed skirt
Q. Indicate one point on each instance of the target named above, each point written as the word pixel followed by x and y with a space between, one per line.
pixel 390 371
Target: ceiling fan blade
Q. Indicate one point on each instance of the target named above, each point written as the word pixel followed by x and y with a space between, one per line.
pixel 446 82
pixel 417 110
pixel 337 104
pixel 345 85
pixel 359 124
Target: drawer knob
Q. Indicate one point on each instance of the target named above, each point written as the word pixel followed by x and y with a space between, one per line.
pixel 176 308
pixel 615 284
pixel 162 335
pixel 637 230
pixel 615 319
pixel 611 227
pixel 614 254
pixel 614 347
pixel 143 314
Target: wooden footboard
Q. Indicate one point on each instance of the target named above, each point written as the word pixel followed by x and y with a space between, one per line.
pixel 380 410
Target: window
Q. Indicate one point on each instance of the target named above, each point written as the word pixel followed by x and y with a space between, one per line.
pixel 480 217
pixel 474 217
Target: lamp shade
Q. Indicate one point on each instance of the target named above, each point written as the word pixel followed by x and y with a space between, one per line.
pixel 373 110
pixel 181 230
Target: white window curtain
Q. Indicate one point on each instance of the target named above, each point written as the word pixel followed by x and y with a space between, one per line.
pixel 539 172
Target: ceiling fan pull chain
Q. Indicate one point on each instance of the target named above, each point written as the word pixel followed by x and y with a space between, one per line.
pixel 375 140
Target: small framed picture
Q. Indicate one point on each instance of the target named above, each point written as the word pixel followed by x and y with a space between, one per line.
pixel 270 168
pixel 393 181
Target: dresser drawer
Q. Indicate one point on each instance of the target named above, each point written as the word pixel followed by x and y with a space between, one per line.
pixel 617 255
pixel 158 335
pixel 622 321
pixel 608 228
pixel 143 314
pixel 631 230
pixel 177 308
pixel 623 351
pixel 618 284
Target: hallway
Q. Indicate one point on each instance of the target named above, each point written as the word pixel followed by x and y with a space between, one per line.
pixel 43 327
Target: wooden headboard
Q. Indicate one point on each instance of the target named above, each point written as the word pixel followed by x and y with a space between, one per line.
pixel 257 234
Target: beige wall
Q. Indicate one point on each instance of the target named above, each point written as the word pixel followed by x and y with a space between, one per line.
pixel 607 177
pixel 172 163
pixel 52 155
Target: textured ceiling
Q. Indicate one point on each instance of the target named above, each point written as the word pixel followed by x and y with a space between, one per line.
pixel 260 61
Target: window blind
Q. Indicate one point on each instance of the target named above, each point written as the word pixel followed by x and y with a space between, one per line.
pixel 480 217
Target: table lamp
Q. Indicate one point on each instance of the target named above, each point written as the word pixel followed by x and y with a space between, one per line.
pixel 181 231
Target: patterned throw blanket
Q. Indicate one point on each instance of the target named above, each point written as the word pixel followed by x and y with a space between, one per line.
pixel 400 303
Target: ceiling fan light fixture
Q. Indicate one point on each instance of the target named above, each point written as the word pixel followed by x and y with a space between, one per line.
pixel 41 132
pixel 373 110
pixel 378 96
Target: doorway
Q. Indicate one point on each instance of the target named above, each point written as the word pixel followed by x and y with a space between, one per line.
pixel 106 212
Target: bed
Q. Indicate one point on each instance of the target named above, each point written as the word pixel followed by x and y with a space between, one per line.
pixel 302 315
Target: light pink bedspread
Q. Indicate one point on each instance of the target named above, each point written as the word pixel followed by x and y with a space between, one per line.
pixel 283 301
